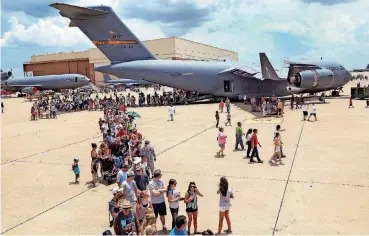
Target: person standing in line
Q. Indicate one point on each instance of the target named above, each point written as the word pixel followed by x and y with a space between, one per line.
pixel 157 190
pixel 313 112
pixel 239 134
pixel 192 206
pixel 225 195
pixel 304 111
pixel 254 145
pixel 221 138
pixel 173 198
pixel 217 118
pixel 245 99
pixel 248 142
pixel 350 103
pixel 228 105
pixel 2 107
pixel 221 106
pixel 171 112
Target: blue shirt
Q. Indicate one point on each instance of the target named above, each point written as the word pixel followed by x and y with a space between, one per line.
pixel 174 231
pixel 121 176
pixel 76 169
pixel 108 141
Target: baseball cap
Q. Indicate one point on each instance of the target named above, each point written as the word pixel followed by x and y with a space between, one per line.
pixel 130 174
pixel 76 160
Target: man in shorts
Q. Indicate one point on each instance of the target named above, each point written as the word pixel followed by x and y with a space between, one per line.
pixel 157 190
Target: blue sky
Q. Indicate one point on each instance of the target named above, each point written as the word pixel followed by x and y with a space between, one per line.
pixel 297 29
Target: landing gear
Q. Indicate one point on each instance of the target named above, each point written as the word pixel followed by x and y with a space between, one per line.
pixel 335 93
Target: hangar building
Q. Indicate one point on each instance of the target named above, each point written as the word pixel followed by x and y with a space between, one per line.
pixel 84 62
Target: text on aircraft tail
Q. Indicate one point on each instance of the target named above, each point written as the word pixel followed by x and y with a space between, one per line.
pixel 104 28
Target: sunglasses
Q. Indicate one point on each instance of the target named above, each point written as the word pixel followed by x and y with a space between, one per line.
pixel 193 186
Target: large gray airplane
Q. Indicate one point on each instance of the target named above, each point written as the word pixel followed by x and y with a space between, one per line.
pixel 131 59
pixel 125 82
pixel 31 85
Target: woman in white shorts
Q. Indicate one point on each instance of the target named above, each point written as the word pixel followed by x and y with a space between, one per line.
pixel 277 155
pixel 225 195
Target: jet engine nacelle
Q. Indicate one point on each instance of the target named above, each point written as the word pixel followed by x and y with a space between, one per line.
pixel 6 75
pixel 308 79
pixel 29 90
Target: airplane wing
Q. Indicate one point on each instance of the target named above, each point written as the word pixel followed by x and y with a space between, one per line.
pixel 243 71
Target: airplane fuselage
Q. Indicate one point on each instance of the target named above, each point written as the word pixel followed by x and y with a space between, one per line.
pixel 47 82
pixel 199 76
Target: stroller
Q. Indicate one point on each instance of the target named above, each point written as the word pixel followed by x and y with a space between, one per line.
pixel 108 169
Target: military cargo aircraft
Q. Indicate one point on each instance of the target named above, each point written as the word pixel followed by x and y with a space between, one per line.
pixel 131 59
pixel 30 85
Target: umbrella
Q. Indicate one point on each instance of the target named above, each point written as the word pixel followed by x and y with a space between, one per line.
pixel 134 114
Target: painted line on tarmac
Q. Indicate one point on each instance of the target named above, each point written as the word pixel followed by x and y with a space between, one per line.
pixel 41 213
pixel 50 150
pixel 288 179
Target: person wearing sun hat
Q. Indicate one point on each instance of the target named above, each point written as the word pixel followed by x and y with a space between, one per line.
pixel 125 221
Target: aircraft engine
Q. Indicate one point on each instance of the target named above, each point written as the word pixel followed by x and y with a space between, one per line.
pixel 29 90
pixel 5 75
pixel 308 79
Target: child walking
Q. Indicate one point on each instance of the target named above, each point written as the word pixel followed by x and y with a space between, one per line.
pixel 75 169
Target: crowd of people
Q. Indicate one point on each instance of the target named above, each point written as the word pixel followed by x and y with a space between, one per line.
pixel 126 159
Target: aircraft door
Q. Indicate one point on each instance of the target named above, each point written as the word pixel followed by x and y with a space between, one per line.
pixel 76 79
pixel 228 86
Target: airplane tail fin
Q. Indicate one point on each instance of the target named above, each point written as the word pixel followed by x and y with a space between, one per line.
pixel 104 28
pixel 107 78
pixel 267 69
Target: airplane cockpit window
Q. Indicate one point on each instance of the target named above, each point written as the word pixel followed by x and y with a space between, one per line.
pixel 342 68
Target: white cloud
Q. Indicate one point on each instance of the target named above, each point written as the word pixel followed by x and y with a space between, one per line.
pixel 51 31
pixel 54 31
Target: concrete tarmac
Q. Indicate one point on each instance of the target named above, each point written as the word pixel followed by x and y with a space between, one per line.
pixel 323 187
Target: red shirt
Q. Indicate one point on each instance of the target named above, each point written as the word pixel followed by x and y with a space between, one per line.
pixel 254 141
pixel 221 104
pixel 121 133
